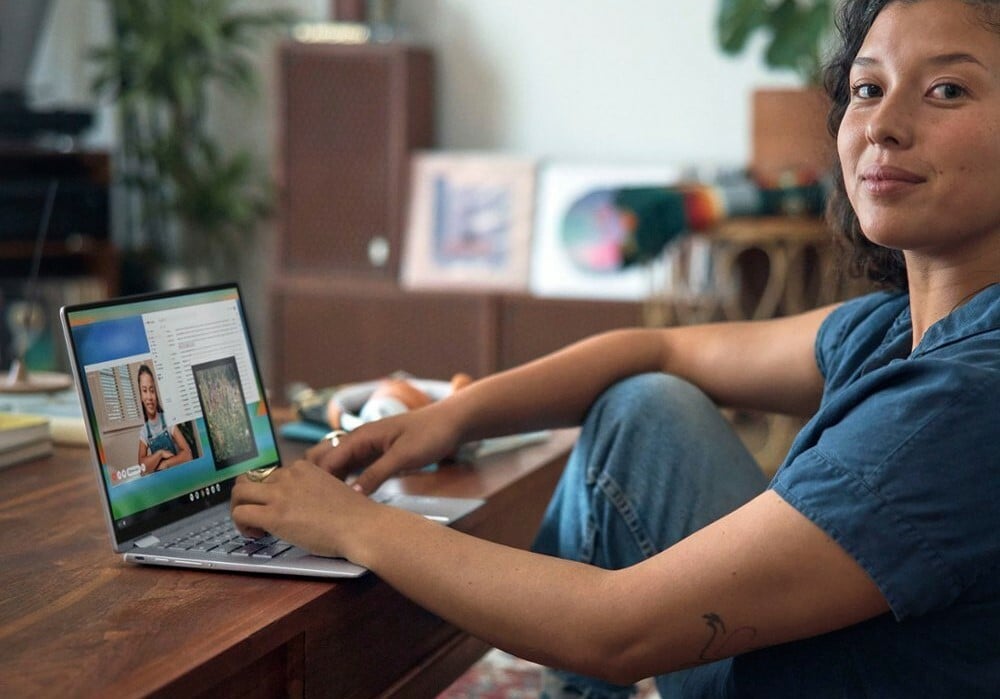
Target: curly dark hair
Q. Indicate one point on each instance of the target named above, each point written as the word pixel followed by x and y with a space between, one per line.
pixel 879 264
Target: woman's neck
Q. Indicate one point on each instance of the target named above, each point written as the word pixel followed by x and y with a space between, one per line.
pixel 944 279
pixel 936 294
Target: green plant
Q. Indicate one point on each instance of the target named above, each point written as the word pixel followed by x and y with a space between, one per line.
pixel 159 66
pixel 797 31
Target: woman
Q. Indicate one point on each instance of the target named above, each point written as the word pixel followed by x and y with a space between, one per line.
pixel 160 447
pixel 870 565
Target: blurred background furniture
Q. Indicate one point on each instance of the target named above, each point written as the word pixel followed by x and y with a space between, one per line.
pixel 754 269
pixel 757 268
pixel 78 261
pixel 351 116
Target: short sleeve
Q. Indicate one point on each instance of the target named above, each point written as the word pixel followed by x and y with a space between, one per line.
pixel 845 335
pixel 903 474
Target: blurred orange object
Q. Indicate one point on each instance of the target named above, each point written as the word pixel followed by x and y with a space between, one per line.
pixel 402 391
pixel 396 390
pixel 460 381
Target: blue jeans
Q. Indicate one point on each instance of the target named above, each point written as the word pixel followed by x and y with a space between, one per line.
pixel 655 462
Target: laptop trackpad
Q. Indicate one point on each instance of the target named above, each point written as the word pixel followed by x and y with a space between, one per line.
pixel 439 509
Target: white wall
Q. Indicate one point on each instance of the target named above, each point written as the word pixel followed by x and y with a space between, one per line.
pixel 584 79
pixel 591 79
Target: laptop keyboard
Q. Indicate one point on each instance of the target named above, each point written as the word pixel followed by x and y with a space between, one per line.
pixel 221 536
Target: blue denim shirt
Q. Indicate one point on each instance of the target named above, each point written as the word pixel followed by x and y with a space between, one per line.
pixel 901 466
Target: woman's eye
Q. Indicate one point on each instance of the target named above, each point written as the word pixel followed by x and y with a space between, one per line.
pixel 866 91
pixel 948 91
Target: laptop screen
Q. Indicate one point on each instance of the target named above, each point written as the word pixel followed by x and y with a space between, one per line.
pixel 173 399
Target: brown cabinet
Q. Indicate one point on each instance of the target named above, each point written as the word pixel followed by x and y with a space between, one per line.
pixel 334 331
pixel 531 327
pixel 351 116
pixel 330 331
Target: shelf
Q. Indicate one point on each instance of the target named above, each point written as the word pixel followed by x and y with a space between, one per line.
pixel 81 256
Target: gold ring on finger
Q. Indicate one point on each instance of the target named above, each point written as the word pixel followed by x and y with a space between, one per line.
pixel 259 475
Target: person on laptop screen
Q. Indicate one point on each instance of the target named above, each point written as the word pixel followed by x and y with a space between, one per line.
pixel 160 446
pixel 870 565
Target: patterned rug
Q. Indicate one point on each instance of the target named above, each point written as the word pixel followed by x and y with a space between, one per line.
pixel 502 676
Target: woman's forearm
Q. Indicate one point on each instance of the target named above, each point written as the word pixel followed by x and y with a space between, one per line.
pixel 538 607
pixel 763 365
pixel 556 390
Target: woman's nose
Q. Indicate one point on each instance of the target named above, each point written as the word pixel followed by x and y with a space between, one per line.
pixel 890 125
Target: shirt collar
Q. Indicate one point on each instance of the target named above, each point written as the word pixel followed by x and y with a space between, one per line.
pixel 979 314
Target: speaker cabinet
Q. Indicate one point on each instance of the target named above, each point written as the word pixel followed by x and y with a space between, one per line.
pixel 350 117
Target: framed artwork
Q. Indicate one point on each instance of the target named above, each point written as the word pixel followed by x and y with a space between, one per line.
pixel 470 222
pixel 224 409
pixel 578 233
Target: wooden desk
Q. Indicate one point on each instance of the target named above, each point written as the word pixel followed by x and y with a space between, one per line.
pixel 76 621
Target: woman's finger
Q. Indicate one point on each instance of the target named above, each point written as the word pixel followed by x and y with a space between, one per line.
pixel 381 470
pixel 250 519
pixel 353 451
pixel 247 491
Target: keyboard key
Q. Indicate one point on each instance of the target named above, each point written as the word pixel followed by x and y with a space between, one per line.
pixel 246 549
pixel 272 551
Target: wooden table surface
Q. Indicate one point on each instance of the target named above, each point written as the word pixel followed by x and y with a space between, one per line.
pixel 76 621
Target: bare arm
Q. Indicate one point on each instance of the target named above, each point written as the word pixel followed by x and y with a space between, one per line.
pixel 768 365
pixel 738 584
pixel 183 450
pixel 147 459
pixel 161 458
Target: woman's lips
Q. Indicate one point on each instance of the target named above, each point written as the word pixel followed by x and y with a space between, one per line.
pixel 883 179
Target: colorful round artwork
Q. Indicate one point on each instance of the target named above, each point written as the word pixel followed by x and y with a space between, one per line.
pixel 593 232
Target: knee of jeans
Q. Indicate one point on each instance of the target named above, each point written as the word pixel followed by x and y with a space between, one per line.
pixel 645 410
pixel 650 401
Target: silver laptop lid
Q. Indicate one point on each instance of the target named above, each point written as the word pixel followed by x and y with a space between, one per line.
pixel 173 402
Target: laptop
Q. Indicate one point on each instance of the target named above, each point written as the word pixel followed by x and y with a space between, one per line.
pixel 175 411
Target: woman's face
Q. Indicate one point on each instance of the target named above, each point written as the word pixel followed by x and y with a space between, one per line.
pixel 147 394
pixel 920 141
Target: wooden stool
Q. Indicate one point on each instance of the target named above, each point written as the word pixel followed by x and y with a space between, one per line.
pixel 706 278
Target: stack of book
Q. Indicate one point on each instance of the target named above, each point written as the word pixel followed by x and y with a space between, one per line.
pixel 61 409
pixel 23 437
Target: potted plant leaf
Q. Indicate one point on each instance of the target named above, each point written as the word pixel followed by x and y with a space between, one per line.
pixel 191 205
pixel 789 124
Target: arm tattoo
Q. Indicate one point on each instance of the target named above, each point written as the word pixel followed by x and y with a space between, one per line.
pixel 723 643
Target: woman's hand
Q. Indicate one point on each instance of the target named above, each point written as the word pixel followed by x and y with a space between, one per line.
pixel 301 504
pixel 389 446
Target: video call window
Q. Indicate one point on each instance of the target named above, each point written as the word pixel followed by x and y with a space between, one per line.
pixel 125 427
